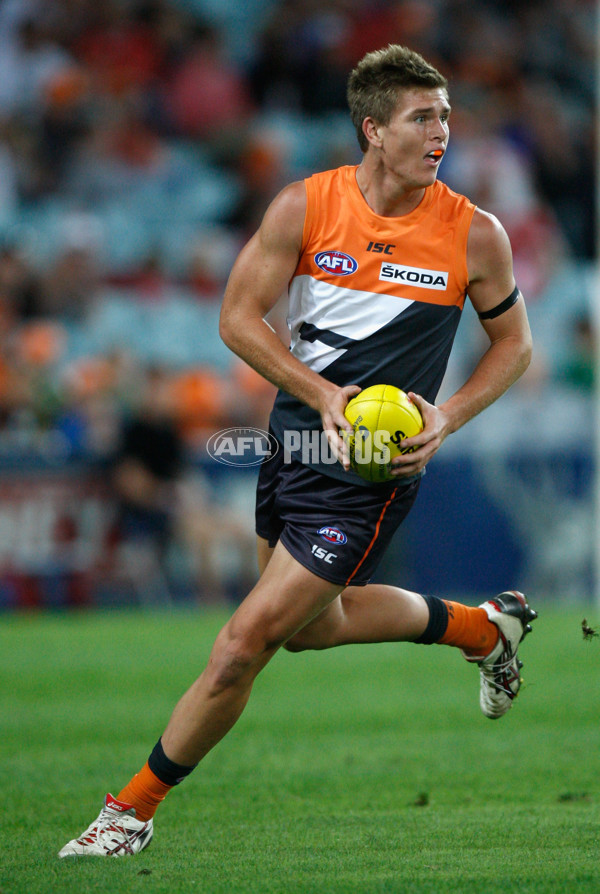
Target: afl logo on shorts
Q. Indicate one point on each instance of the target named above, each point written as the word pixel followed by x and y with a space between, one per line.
pixel 332 535
pixel 336 262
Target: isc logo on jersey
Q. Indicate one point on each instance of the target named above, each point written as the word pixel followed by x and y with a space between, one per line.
pixel 336 262
pixel 415 276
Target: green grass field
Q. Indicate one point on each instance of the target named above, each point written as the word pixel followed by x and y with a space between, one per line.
pixel 363 769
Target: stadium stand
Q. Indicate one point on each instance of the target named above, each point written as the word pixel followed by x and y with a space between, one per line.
pixel 140 141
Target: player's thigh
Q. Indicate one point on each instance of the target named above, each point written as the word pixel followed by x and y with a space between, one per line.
pixel 321 631
pixel 263 552
pixel 285 599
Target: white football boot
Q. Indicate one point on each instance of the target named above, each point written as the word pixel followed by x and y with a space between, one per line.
pixel 500 671
pixel 115 833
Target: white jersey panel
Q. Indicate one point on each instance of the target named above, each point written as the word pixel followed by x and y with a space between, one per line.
pixel 350 313
pixel 315 354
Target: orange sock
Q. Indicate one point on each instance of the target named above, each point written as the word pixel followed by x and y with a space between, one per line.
pixel 144 792
pixel 470 629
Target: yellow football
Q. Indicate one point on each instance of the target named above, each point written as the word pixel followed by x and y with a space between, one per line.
pixel 382 416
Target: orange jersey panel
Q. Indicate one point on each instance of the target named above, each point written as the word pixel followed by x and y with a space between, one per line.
pixel 419 256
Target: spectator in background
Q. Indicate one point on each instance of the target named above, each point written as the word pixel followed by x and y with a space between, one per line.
pixel 164 501
pixel 9 189
pixel 120 153
pixel 262 169
pixel 69 287
pixel 121 48
pixel 562 146
pixel 97 393
pixel 217 540
pixel 32 59
pixel 20 287
pixel 300 58
pixel 63 125
pixel 15 393
pixel 145 470
pixel 206 97
pixel 417 22
pixel 202 401
pixel 579 369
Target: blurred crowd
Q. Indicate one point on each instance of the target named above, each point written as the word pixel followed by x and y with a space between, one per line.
pixel 141 140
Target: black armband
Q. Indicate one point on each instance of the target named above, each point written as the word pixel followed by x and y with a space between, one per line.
pixel 502 307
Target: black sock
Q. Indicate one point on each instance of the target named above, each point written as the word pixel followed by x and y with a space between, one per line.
pixel 438 621
pixel 167 770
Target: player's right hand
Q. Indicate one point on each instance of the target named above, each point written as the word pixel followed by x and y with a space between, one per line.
pixel 334 422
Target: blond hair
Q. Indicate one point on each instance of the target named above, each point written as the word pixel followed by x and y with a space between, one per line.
pixel 374 84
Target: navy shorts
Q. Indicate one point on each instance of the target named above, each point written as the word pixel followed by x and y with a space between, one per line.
pixel 338 531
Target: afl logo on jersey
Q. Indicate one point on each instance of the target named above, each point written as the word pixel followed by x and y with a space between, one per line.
pixel 332 535
pixel 336 262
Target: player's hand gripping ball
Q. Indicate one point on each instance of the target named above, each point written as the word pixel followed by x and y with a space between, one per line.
pixel 382 416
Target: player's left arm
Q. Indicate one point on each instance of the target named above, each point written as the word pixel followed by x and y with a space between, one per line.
pixel 503 316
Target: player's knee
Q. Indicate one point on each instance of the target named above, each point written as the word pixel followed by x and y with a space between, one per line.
pixel 237 658
pixel 314 641
pixel 295 644
pixel 230 665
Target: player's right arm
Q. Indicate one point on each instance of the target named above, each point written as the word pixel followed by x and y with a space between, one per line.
pixel 259 277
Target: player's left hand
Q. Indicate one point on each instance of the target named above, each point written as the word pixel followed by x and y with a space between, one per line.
pixel 426 443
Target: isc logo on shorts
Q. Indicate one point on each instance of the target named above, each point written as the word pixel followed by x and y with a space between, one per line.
pixel 321 553
pixel 332 535
pixel 336 262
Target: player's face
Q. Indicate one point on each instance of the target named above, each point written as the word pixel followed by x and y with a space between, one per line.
pixel 415 140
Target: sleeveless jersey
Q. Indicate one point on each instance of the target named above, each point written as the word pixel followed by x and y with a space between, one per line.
pixel 374 300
